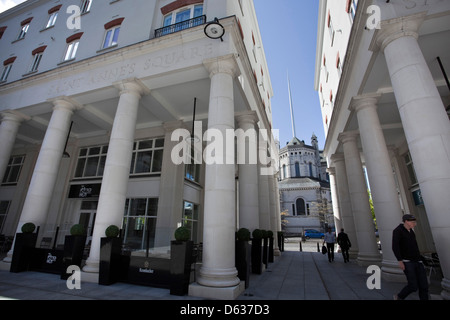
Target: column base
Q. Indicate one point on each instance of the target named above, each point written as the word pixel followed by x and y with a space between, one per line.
pixel 228 293
pixel 365 260
pixel 445 293
pixel 92 267
pixel 276 252
pixel 390 271
pixel 91 277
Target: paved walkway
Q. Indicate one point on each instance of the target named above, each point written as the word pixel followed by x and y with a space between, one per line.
pixel 293 276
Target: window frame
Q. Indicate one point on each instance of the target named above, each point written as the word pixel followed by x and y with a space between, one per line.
pixel 71 48
pixel 52 17
pixel 23 31
pixel 153 150
pixel 173 14
pixel 5 72
pixel 10 173
pixel 110 43
pixel 85 6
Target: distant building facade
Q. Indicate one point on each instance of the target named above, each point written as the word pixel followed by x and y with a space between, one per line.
pixel 305 197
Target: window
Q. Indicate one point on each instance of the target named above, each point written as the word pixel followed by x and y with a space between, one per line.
pixel 297 169
pixel 300 205
pixel 7 65
pixel 410 168
pixel 91 162
pixel 190 219
pixel 112 33
pixel 72 46
pixel 2 31
pixel 351 9
pixel 176 18
pixel 37 57
pixel 111 37
pixel 331 29
pixel 139 223
pixel 24 26
pixel 85 6
pixel 52 16
pixel 147 156
pixel 193 166
pixel 71 50
pixel 13 170
pixel 4 208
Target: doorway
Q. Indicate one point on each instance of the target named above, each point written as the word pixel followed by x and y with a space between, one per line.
pixel 88 212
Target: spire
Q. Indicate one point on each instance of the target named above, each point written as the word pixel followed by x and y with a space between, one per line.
pixel 292 109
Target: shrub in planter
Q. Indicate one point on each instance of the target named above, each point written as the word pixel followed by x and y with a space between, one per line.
pixel 24 245
pixel 256 252
pixel 181 259
pixel 112 231
pixel 182 234
pixel 28 227
pixel 243 234
pixel 113 266
pixel 243 255
pixel 77 230
pixel 73 248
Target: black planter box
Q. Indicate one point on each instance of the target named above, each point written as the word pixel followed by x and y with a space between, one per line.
pixel 256 256
pixel 271 250
pixel 24 245
pixel 280 241
pixel 149 271
pixel 266 251
pixel 47 260
pixel 181 259
pixel 113 266
pixel 243 261
pixel 73 253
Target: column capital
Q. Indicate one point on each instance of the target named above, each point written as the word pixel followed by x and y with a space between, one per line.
pixel 224 64
pixel 331 171
pixel 337 157
pixel 67 103
pixel 349 136
pixel 249 117
pixel 364 101
pixel 133 85
pixel 394 29
pixel 13 115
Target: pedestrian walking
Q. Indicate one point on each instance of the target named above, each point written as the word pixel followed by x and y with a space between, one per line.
pixel 330 240
pixel 406 250
pixel 345 244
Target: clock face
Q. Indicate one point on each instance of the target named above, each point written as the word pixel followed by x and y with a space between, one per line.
pixel 214 30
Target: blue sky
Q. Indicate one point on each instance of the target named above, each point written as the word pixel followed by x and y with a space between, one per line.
pixel 288 30
pixel 289 34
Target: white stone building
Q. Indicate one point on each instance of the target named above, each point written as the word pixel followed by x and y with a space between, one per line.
pixel 304 189
pixel 384 94
pixel 108 87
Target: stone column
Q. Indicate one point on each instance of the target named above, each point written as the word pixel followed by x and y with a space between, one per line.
pixel 345 205
pixel 112 197
pixel 45 172
pixel 10 122
pixel 218 275
pixel 334 199
pixel 382 184
pixel 365 230
pixel 171 188
pixel 263 183
pixel 425 123
pixel 248 172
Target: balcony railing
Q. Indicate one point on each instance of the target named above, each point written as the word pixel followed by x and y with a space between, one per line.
pixel 180 26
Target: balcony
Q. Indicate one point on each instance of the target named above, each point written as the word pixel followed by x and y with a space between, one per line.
pixel 180 26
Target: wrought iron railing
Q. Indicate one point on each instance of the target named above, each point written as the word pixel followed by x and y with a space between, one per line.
pixel 180 26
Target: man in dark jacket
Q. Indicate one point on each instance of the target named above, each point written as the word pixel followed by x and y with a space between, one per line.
pixel 406 250
pixel 345 244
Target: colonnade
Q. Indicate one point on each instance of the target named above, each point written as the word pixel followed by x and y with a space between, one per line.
pixel 218 275
pixel 427 132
